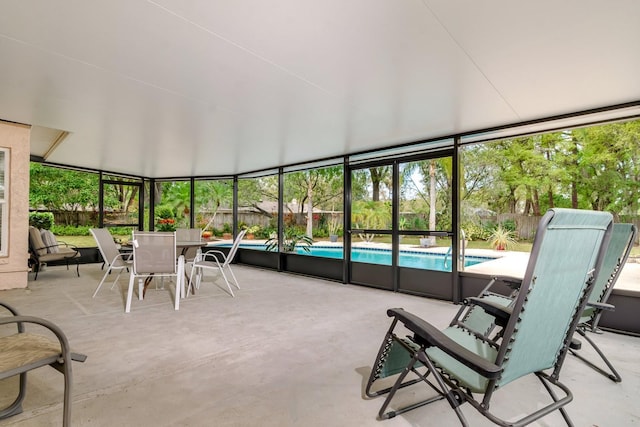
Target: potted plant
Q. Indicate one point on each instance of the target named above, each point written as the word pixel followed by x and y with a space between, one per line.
pixel 227 231
pixel 251 231
pixel 293 239
pixel 501 238
pixel 333 227
pixel 427 241
pixel 165 219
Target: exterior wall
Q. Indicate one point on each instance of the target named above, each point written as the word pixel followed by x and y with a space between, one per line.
pixel 13 269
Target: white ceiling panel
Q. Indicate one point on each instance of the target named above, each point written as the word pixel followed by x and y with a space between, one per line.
pixel 550 57
pixel 170 88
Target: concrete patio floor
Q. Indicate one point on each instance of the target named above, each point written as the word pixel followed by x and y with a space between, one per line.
pixel 286 351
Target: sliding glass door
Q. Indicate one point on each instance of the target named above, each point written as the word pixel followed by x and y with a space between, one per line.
pixel 401 225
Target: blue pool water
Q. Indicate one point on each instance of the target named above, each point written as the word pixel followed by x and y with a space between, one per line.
pixel 411 259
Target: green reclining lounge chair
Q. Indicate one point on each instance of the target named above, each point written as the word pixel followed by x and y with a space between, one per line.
pixel 529 334
pixel 618 251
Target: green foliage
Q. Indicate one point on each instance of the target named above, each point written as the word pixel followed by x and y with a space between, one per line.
pixel 418 223
pixel 403 223
pixel 265 232
pixel 293 238
pixel 474 231
pixel 70 230
pixel 41 220
pixel 425 190
pixel 164 212
pixel 252 191
pixel 321 232
pixel 371 215
pixel 509 224
pixel 166 224
pixel 165 218
pixel 62 189
pixel 253 229
pixel 121 231
pixel 334 224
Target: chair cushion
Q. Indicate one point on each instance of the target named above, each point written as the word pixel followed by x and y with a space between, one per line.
pixel 24 351
pixel 50 241
pixel 36 241
pixel 456 370
pixel 64 253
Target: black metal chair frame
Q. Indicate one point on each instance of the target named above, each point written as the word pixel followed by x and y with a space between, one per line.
pixel 61 361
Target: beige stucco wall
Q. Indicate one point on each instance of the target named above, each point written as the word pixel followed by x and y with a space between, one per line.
pixel 13 268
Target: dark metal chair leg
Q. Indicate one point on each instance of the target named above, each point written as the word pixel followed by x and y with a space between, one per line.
pixel 16 407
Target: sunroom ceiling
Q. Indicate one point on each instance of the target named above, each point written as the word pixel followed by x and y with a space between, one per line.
pixel 169 88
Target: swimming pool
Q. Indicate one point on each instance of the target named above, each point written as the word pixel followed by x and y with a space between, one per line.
pixel 408 258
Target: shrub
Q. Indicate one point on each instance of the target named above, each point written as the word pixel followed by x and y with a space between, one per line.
pixel 509 224
pixel 473 231
pixel 121 231
pixel 321 232
pixel 41 220
pixel 164 212
pixel 265 232
pixel 70 230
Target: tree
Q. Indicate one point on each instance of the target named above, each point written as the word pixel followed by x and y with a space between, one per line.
pixel 313 188
pixel 253 191
pixel 62 190
pixel 426 188
pixel 121 198
pixel 380 175
pixel 177 195
pixel 211 195
pixel 371 215
pixel 609 165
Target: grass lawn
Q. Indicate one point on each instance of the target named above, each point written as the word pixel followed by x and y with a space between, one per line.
pixel 85 241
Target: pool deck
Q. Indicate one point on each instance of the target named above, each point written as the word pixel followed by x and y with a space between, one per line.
pixel 515 263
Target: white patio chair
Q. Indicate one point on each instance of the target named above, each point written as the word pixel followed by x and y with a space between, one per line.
pixel 154 255
pixel 216 260
pixel 111 255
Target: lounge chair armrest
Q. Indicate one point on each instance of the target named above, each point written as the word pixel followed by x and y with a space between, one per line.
pixel 429 336
pixel 48 246
pixel 66 355
pixel 61 243
pixel 78 357
pixel 500 312
pixel 602 306
pixel 512 282
pixel 64 343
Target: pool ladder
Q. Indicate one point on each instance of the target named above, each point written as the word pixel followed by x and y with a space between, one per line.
pixel 462 251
